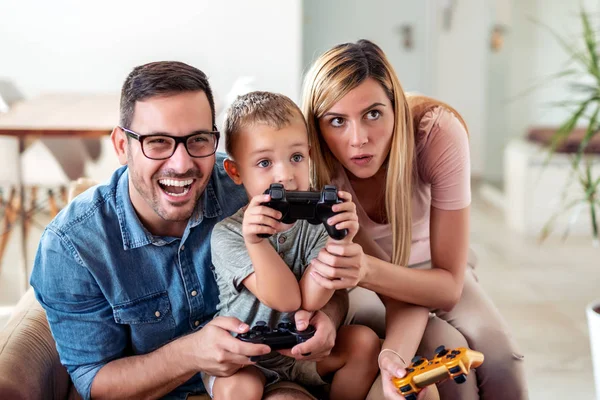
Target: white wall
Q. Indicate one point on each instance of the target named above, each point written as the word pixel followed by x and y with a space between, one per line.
pixel 536 55
pixel 70 45
pixel 332 22
pixel 460 67
pixel 80 46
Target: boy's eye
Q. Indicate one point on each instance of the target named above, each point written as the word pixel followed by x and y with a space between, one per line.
pixel 373 114
pixel 264 163
pixel 337 122
pixel 297 158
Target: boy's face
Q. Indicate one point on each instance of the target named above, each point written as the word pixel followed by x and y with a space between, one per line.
pixel 265 155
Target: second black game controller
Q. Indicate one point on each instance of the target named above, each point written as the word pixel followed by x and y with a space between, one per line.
pixel 314 207
pixel 285 336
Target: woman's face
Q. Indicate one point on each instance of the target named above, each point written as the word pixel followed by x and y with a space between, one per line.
pixel 358 129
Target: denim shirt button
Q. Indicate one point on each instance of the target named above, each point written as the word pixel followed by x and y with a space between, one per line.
pixel 194 293
pixel 196 323
pixel 157 314
pixel 182 247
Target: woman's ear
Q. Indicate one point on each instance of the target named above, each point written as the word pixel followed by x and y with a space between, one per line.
pixel 232 170
pixel 119 141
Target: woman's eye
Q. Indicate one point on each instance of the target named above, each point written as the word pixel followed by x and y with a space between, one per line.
pixel 297 158
pixel 264 163
pixel 337 121
pixel 373 114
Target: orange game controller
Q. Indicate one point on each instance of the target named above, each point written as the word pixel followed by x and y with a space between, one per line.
pixel 446 364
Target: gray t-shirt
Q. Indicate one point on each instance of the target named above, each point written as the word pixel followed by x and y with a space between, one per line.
pixel 232 264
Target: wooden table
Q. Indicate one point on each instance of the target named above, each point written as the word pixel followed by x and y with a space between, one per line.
pixel 56 115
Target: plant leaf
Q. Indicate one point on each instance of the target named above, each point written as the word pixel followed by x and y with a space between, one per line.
pixel 565 129
pixel 590 42
pixel 591 131
pixel 549 226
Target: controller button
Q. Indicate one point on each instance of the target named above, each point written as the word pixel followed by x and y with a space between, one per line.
pixel 451 356
pixel 411 396
pixel 276 194
pixel 261 323
pixel 409 370
pixel 454 370
pixel 405 388
pixel 462 378
pixel 455 352
pixel 417 360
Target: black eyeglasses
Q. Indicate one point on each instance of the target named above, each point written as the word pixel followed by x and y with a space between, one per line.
pixel 160 147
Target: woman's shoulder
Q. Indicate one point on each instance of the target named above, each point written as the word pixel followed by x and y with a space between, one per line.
pixel 435 122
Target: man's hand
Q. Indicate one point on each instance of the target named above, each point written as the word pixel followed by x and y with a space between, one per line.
pixel 391 368
pixel 320 345
pixel 216 352
pixel 259 219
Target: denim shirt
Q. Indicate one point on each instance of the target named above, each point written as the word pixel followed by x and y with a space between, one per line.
pixel 112 289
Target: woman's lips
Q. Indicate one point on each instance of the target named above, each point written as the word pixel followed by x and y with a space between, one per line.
pixel 362 159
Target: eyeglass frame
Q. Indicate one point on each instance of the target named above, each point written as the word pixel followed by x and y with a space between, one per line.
pixel 178 139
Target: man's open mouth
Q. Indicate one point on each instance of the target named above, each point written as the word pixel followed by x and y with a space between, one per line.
pixel 174 187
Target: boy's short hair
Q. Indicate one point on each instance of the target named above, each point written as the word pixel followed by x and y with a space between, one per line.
pixel 266 108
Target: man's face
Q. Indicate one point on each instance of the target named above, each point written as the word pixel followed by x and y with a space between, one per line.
pixel 166 191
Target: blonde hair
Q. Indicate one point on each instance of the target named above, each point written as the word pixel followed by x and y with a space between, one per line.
pixel 267 108
pixel 331 77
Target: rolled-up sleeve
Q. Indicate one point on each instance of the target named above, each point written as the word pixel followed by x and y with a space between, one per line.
pixel 444 159
pixel 80 317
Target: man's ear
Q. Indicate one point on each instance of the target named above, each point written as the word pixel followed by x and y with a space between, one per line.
pixel 119 141
pixel 232 170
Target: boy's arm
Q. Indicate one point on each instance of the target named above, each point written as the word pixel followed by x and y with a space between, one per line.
pixel 272 282
pixel 314 296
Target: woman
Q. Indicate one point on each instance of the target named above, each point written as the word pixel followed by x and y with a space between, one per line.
pixel 405 160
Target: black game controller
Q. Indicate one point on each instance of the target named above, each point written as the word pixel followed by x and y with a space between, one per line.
pixel 314 207
pixel 284 337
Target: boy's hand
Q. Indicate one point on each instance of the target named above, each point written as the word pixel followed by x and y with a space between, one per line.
pixel 260 219
pixel 346 219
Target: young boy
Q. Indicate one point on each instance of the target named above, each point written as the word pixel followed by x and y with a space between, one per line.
pixel 269 279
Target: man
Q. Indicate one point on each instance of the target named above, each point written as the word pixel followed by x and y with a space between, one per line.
pixel 125 274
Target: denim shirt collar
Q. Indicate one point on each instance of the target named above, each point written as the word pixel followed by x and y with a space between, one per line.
pixel 133 232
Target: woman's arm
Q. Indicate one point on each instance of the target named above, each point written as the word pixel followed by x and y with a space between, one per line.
pixel 341 267
pixel 405 324
pixel 449 242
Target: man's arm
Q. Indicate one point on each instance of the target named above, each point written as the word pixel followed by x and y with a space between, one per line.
pixel 153 375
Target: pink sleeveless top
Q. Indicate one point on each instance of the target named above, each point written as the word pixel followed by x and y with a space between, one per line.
pixel 442 152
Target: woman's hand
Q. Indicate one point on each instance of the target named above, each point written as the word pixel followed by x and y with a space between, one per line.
pixel 340 264
pixel 390 367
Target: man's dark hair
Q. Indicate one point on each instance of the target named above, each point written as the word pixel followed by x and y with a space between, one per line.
pixel 161 78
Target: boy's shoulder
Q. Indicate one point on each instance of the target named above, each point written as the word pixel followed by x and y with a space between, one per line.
pixel 230 225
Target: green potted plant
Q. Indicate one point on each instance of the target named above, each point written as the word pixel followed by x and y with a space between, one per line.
pixel 583 74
